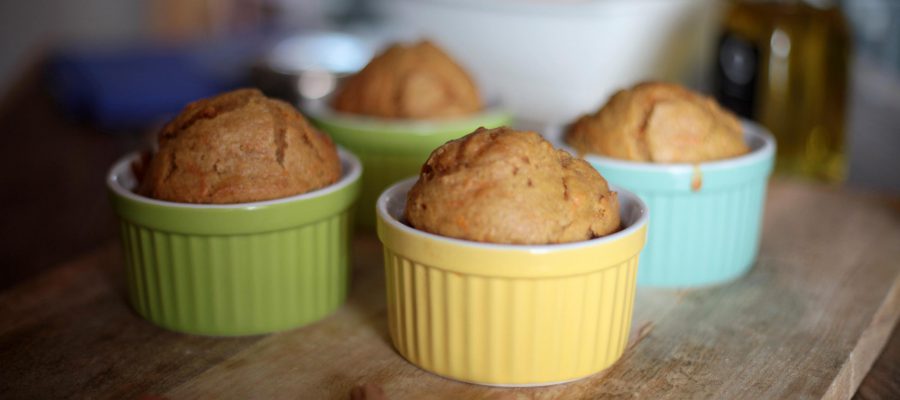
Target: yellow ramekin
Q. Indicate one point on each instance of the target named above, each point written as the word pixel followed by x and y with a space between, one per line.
pixel 509 315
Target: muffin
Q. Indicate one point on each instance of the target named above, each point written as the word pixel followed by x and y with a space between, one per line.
pixel 239 147
pixel 418 81
pixel 703 172
pixel 661 123
pixel 506 186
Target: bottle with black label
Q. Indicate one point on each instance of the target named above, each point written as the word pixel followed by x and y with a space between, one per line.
pixel 784 63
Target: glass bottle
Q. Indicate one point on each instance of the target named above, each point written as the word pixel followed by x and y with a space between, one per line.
pixel 784 63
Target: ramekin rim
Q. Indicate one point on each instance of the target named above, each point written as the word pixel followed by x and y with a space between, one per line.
pixel 347 178
pixel 381 210
pixel 325 112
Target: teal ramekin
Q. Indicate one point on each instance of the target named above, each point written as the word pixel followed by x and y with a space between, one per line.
pixel 236 269
pixel 391 150
pixel 706 217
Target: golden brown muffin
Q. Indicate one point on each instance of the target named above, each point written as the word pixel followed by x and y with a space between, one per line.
pixel 410 82
pixel 239 147
pixel 506 186
pixel 659 122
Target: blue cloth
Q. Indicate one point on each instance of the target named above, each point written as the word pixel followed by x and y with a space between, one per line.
pixel 118 88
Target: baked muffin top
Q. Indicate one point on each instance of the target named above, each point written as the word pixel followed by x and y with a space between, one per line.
pixel 418 81
pixel 506 186
pixel 659 122
pixel 239 147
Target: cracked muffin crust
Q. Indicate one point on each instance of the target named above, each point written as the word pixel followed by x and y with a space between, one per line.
pixel 659 122
pixel 239 147
pixel 410 82
pixel 506 186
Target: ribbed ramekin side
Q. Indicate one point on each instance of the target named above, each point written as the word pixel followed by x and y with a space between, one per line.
pixel 237 284
pixel 508 331
pixel 381 170
pixel 702 238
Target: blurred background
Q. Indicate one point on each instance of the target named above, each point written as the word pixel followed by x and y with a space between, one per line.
pixel 84 82
pixel 823 75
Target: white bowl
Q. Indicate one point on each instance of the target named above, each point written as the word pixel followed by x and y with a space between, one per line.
pixel 551 61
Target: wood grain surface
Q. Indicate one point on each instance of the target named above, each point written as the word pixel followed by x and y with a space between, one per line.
pixel 807 322
pixel 883 380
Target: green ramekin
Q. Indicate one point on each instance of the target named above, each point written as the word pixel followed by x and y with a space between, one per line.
pixel 706 217
pixel 236 269
pixel 391 150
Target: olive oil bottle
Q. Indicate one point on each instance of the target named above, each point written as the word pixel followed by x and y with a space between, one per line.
pixel 784 63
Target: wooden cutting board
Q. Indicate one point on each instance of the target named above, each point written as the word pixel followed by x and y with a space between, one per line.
pixel 807 322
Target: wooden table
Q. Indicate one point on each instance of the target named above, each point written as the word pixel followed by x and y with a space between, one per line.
pixel 807 322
